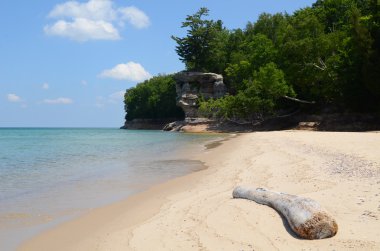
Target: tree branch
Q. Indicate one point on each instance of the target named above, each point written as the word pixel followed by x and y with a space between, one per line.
pixel 299 100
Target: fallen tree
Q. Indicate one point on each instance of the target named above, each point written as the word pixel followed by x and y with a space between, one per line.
pixel 305 216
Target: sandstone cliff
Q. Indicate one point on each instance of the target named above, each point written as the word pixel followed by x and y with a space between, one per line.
pixel 193 85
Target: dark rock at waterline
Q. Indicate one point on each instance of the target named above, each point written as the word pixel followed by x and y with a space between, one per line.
pixel 146 124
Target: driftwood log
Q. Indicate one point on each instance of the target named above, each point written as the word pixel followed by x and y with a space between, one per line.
pixel 305 216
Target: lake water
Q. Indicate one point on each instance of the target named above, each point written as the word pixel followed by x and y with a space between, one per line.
pixel 51 175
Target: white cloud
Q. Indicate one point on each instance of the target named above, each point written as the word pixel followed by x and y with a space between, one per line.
pixel 130 71
pixel 93 10
pixel 82 30
pixel 116 97
pixel 84 82
pixel 135 16
pixel 45 86
pixel 13 98
pixel 93 20
pixel 63 101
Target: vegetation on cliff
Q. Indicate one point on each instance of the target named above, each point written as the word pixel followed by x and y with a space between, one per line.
pixel 258 97
pixel 153 99
pixel 329 52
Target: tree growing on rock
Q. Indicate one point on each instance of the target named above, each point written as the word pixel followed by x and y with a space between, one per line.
pixel 202 48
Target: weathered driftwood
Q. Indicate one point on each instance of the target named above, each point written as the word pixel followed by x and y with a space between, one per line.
pixel 305 216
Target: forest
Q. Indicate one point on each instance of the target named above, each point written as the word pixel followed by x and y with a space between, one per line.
pixel 327 54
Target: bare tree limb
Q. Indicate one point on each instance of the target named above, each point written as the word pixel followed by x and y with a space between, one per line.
pixel 322 65
pixel 299 100
pixel 319 67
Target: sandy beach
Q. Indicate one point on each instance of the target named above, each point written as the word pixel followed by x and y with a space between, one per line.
pixel 196 212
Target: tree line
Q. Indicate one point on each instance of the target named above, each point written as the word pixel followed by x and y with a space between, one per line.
pixel 152 99
pixel 328 53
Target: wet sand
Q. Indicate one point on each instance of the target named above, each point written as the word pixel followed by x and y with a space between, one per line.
pixel 196 212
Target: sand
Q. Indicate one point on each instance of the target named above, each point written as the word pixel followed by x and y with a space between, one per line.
pixel 196 212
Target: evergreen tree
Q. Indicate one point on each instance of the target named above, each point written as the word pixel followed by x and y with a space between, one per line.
pixel 203 47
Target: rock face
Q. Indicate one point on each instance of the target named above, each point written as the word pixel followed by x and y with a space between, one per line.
pixel 146 124
pixel 174 126
pixel 193 85
pixel 188 125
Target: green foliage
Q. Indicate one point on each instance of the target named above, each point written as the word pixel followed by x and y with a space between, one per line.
pixel 153 99
pixel 237 75
pixel 329 52
pixel 259 98
pixel 255 53
pixel 203 47
pixel 260 51
pixel 272 26
pixel 361 65
pixel 334 13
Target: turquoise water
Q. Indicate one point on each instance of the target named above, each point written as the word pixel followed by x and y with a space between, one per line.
pixel 47 175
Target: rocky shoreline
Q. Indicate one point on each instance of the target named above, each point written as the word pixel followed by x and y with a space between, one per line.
pixel 322 122
pixel 192 86
pixel 146 124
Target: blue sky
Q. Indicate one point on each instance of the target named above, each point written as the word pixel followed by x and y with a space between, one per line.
pixel 67 63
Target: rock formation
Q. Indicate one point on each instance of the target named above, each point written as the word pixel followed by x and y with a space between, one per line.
pixel 174 126
pixel 193 85
pixel 146 124
pixel 305 216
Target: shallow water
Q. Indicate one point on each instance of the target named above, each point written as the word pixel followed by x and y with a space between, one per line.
pixel 49 175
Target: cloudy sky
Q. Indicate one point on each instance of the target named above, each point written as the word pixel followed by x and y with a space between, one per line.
pixel 68 63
